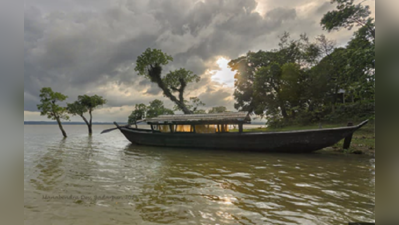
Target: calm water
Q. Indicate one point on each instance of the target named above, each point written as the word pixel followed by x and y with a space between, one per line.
pixel 104 179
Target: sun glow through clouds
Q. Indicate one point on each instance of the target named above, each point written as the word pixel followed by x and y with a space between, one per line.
pixel 224 75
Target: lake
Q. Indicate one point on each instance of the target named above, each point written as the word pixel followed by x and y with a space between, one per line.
pixel 103 179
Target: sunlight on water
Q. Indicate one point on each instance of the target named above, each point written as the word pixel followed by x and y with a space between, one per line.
pixel 104 179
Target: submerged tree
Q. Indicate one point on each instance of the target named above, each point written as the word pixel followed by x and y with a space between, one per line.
pixel 85 104
pixel 50 108
pixel 149 64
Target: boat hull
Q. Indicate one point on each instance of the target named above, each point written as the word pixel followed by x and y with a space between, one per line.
pixel 289 141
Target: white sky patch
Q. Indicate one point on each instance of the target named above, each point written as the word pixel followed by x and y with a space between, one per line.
pixel 261 8
pixel 34 116
pixel 224 75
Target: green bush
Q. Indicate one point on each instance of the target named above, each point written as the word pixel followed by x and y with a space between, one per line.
pixel 352 112
pixel 343 113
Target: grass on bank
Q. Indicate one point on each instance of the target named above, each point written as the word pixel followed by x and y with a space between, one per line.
pixel 363 140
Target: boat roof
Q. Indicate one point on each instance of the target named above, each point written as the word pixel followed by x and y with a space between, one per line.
pixel 212 118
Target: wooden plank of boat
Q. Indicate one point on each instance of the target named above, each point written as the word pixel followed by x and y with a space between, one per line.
pixel 284 141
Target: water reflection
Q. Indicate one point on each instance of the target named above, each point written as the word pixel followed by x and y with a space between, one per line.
pixel 182 186
pixel 48 168
pixel 264 187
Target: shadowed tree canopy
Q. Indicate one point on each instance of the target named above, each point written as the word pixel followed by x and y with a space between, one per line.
pixel 243 82
pixel 50 108
pixel 154 109
pixel 149 64
pixel 137 114
pixel 271 80
pixel 218 109
pixel 85 104
pixel 307 82
pixel 192 105
pixel 157 108
pixel 348 15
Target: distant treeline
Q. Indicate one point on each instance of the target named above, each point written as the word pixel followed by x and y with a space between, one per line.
pixel 70 123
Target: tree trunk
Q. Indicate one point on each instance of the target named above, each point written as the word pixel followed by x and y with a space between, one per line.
pixel 61 128
pixel 155 75
pixel 168 94
pixel 91 117
pixel 284 111
pixel 87 123
pixel 334 100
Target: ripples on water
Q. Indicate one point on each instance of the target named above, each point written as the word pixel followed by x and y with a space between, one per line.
pixel 186 186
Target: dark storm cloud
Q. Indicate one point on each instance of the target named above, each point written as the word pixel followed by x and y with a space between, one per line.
pixel 80 47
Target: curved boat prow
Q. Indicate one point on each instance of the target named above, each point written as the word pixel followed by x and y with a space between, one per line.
pixel 362 124
pixel 116 124
pixel 111 129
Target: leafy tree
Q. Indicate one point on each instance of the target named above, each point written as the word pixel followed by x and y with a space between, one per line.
pixel 157 108
pixel 243 82
pixel 149 64
pixel 137 114
pixel 218 109
pixel 348 15
pixel 361 58
pixel 50 108
pixel 327 78
pixel 192 105
pixel 85 104
pixel 200 111
pixel 272 82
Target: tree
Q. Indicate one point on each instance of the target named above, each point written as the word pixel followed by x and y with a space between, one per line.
pixel 348 15
pixel 361 58
pixel 137 114
pixel 200 111
pixel 50 108
pixel 218 109
pixel 149 64
pixel 272 82
pixel 192 105
pixel 157 108
pixel 85 104
pixel 243 82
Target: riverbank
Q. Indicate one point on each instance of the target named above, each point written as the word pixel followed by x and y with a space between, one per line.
pixel 363 140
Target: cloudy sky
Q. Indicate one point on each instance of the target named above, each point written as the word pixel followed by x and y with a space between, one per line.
pixel 90 47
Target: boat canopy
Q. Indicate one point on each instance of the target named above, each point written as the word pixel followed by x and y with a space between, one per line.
pixel 202 128
pixel 196 119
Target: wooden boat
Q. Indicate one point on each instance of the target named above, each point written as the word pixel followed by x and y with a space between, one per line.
pixel 210 131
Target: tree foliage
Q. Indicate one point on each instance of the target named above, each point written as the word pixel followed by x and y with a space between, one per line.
pixel 347 15
pixel 218 109
pixel 157 108
pixel 192 105
pixel 49 106
pixel 137 114
pixel 149 64
pixel 86 104
pixel 304 81
pixel 154 109
pixel 267 81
